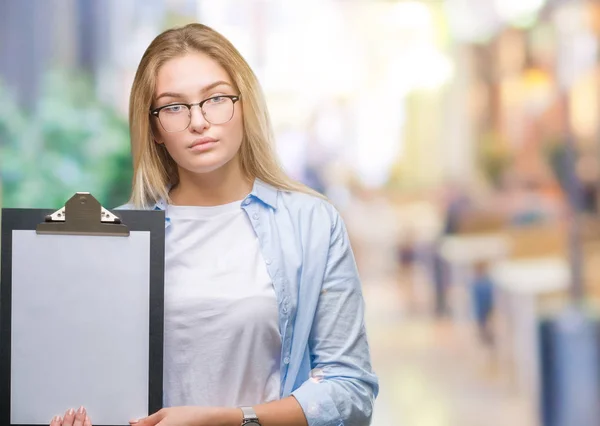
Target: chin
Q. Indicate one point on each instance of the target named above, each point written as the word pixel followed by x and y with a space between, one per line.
pixel 204 169
pixel 206 163
pixel 206 166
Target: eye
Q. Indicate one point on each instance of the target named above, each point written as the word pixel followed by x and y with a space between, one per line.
pixel 174 109
pixel 217 100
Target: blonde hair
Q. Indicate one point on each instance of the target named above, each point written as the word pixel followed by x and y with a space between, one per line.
pixel 154 171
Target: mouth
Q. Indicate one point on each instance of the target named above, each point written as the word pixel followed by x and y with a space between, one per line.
pixel 202 142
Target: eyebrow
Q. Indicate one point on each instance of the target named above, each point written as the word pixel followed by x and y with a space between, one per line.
pixel 204 89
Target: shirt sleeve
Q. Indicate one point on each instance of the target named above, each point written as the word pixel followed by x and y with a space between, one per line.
pixel 342 386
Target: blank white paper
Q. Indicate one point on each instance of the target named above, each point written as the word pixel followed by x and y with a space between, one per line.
pixel 80 326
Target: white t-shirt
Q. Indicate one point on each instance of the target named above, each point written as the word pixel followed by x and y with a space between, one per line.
pixel 222 342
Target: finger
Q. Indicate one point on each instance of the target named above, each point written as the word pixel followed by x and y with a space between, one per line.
pixel 152 420
pixel 87 421
pixel 68 418
pixel 79 417
pixel 56 421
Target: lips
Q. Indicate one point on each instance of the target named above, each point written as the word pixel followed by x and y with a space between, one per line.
pixel 202 141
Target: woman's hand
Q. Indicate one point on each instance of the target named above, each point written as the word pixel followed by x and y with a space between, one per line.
pixel 72 418
pixel 192 416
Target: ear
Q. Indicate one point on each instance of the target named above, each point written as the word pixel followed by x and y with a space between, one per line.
pixel 153 134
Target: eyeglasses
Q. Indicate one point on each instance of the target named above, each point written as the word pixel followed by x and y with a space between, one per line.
pixel 177 117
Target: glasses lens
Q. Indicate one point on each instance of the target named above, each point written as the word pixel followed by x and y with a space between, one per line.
pixel 218 110
pixel 174 118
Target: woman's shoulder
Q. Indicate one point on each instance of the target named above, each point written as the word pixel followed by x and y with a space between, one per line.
pixel 310 206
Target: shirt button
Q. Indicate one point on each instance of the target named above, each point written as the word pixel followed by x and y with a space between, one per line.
pixel 246 201
pixel 285 309
pixel 255 216
pixel 286 360
pixel 268 261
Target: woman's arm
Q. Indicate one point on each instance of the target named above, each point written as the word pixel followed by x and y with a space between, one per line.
pixel 342 386
pixel 285 412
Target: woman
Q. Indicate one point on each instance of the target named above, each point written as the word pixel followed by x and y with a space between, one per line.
pixel 263 305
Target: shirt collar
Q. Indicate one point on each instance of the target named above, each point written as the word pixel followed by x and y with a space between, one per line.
pixel 260 190
pixel 265 193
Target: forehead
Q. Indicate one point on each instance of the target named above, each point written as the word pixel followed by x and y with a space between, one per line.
pixel 189 74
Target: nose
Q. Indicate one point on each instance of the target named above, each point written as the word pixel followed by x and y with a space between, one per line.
pixel 197 121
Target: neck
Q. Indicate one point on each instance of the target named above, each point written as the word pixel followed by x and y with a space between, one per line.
pixel 218 187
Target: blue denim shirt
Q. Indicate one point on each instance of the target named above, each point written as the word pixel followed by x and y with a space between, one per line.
pixel 325 360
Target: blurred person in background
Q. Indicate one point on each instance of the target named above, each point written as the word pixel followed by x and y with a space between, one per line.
pixel 264 320
pixel 456 203
pixel 588 172
pixel 407 259
pixel 482 298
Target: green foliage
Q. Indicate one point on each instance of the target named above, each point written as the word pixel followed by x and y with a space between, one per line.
pixel 494 157
pixel 70 142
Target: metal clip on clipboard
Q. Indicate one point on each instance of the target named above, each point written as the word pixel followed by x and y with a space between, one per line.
pixel 83 215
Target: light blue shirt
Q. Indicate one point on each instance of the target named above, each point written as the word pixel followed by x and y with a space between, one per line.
pixel 325 360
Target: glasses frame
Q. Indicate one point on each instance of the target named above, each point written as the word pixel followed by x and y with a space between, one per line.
pixel 156 111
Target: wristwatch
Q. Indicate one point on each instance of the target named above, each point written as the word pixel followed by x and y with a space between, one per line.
pixel 250 418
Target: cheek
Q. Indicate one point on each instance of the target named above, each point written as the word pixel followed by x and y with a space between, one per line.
pixel 169 141
pixel 238 133
pixel 237 128
pixel 174 145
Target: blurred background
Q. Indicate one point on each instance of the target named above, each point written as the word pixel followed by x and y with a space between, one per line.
pixel 460 140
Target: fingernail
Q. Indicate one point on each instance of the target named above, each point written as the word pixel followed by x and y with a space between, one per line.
pixel 81 410
pixel 134 421
pixel 56 419
pixel 71 411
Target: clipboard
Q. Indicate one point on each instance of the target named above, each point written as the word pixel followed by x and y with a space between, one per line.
pixel 81 313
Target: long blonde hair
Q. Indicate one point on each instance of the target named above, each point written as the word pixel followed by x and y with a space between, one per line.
pixel 154 171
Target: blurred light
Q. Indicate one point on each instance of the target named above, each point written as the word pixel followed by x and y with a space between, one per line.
pixel 577 45
pixel 538 90
pixel 421 67
pixel 471 20
pixel 321 61
pixel 409 14
pixel 237 27
pixel 518 10
pixel 415 62
pixel 526 21
pixel 478 20
pixel 378 139
pixel 584 102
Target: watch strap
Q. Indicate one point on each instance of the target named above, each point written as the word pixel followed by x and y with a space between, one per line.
pixel 249 415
